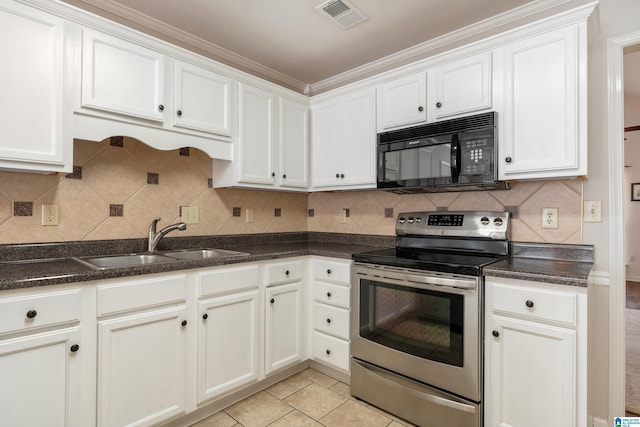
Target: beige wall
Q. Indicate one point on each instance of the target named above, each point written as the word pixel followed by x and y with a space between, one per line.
pixel 115 177
pixel 632 175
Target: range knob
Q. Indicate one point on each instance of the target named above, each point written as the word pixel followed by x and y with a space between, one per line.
pixel 401 220
pixel 497 222
pixel 418 220
pixel 410 220
pixel 484 220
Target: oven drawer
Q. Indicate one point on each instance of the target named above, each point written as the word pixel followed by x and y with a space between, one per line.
pixel 327 293
pixel 331 350
pixel 331 271
pixel 532 303
pixel 331 320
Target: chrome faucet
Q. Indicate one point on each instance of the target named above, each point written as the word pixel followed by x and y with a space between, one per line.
pixel 154 237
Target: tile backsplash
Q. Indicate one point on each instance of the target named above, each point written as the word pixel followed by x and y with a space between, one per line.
pixel 119 185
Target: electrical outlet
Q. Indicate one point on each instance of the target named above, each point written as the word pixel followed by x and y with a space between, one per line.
pixel 49 214
pixel 249 215
pixel 342 216
pixel 190 214
pixel 549 217
pixel 592 211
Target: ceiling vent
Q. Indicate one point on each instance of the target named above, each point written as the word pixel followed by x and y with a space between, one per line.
pixel 341 12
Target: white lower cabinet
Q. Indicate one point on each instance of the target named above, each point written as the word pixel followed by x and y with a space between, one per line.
pixel 330 312
pixel 283 317
pixel 40 359
pixel 535 372
pixel 142 349
pixel 154 348
pixel 228 330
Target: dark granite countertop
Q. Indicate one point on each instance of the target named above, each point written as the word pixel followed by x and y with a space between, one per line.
pixel 24 266
pixel 560 264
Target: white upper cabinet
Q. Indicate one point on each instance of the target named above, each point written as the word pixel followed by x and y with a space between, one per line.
pixel 255 136
pixel 402 102
pixel 202 99
pixel 293 144
pixel 122 77
pixel 459 87
pixel 344 142
pixel 133 86
pixel 33 117
pixel 272 148
pixel 543 125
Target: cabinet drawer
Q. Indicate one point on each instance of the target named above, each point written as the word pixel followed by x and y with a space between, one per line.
pixel 327 293
pixel 541 304
pixel 133 295
pixel 39 310
pixel 331 320
pixel 331 350
pixel 229 280
pixel 331 271
pixel 283 272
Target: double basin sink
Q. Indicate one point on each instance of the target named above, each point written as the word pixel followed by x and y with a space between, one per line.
pixel 135 260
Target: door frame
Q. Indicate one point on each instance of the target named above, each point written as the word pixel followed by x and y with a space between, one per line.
pixel 617 273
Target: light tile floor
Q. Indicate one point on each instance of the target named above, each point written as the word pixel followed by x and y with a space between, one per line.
pixel 308 398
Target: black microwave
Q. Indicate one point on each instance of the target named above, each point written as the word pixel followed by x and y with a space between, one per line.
pixel 452 155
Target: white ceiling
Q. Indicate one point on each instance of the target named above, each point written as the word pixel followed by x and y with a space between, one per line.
pixel 290 43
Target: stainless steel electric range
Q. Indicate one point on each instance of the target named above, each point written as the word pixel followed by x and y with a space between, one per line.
pixel 416 325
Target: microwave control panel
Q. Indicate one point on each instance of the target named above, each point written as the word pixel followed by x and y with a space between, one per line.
pixel 477 154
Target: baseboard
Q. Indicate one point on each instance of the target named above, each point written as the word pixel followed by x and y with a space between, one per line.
pixel 633 278
pixel 224 402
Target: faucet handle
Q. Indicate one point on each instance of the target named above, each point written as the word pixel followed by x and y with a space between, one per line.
pixel 154 223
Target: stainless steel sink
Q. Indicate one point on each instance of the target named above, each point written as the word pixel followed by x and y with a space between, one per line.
pixel 197 254
pixel 120 261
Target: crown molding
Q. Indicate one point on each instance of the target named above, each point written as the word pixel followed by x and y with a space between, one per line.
pixel 146 24
pixel 501 23
pixel 491 26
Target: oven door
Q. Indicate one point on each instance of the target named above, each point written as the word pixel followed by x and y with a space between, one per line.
pixel 422 325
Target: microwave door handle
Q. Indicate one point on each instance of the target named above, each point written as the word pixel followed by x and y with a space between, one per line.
pixel 455 158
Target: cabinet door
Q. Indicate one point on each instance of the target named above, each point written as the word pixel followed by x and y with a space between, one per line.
pixel 542 133
pixel 32 87
pixel 293 147
pixel 255 136
pixel 41 379
pixel 326 141
pixel 227 356
pixel 358 146
pixel 460 87
pixel 532 379
pixel 283 338
pixel 142 367
pixel 122 77
pixel 202 99
pixel 402 102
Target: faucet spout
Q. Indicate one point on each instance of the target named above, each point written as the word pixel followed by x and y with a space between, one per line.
pixel 155 236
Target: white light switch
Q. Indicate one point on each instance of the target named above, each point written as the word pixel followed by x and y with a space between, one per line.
pixel 190 214
pixel 592 211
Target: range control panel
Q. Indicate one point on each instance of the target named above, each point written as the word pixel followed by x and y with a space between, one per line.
pixel 493 225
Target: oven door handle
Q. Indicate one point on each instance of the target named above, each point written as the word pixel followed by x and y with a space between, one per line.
pixel 442 281
pixel 450 282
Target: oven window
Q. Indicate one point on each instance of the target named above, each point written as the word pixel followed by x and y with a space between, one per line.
pixel 423 323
